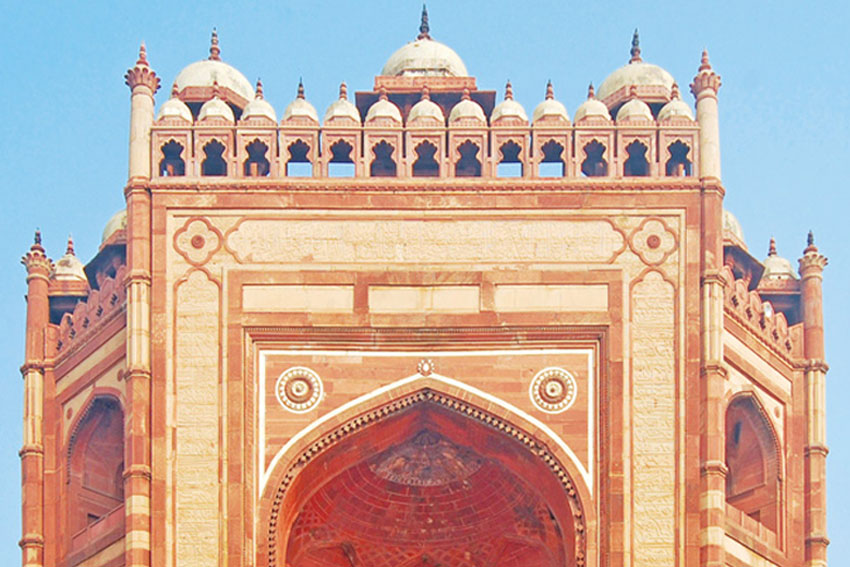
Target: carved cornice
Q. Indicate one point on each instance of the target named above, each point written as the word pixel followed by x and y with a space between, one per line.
pixel 708 468
pixel 89 316
pixel 137 471
pixel 816 364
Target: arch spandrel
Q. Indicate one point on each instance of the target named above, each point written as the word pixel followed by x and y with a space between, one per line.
pixel 503 436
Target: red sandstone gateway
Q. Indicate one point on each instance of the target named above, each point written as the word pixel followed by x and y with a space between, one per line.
pixel 498 341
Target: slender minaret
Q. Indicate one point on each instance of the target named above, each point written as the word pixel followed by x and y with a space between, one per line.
pixel 705 87
pixel 143 84
pixel 811 281
pixel 39 268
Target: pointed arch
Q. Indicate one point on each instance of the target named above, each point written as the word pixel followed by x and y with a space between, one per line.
pixel 565 484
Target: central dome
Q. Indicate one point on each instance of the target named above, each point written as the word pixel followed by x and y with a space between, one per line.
pixel 424 57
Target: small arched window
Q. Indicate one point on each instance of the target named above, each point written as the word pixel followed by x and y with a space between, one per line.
pixel 594 164
pixel 172 164
pixel 636 165
pixel 425 164
pixel 257 165
pixel 510 165
pixel 383 165
pixel 468 165
pixel 341 163
pixel 678 165
pixel 752 462
pixel 214 164
pixel 299 164
pixel 552 164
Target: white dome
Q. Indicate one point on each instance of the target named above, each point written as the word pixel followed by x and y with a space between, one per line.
pixel 467 108
pixel 216 108
pixel 383 108
pixel 592 107
pixel 300 108
pixel 732 226
pixel 259 107
pixel 69 267
pixel 207 72
pixel 634 109
pixel 116 223
pixel 426 108
pixel 342 107
pixel 550 108
pixel 425 58
pixel 676 108
pixel 174 108
pixel 639 74
pixel 776 267
pixel 508 108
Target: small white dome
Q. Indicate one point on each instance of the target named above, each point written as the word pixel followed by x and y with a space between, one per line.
pixel 342 107
pixel 259 107
pixel 117 223
pixel 300 108
pixel 550 108
pixel 592 108
pixel 213 71
pixel 426 108
pixel 174 108
pixel 69 267
pixel 383 108
pixel 508 108
pixel 216 108
pixel 676 108
pixel 467 108
pixel 650 80
pixel 635 109
pixel 732 226
pixel 776 267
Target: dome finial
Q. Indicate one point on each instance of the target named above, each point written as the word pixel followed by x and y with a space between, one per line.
pixel 633 92
pixel 509 91
pixel 143 55
pixel 465 95
pixel 635 51
pixel 215 52
pixel 705 64
pixel 216 89
pixel 259 94
pixel 674 91
pixel 771 250
pixel 343 91
pixel 300 88
pixel 424 28
pixel 810 241
pixel 70 248
pixel 550 92
pixel 37 238
pixel 426 93
pixel 590 92
pixel 382 94
pixel 174 91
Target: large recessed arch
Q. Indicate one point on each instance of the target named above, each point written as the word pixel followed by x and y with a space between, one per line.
pixel 443 409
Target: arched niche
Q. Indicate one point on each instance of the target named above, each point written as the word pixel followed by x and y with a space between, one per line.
pixel 377 486
pixel 752 461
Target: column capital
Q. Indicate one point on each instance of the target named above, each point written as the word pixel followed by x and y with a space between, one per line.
pixel 706 82
pixel 142 76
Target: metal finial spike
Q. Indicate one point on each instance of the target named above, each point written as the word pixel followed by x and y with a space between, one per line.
pixel 811 239
pixel 771 250
pixel 300 88
pixel 590 92
pixel 259 88
pixel 37 239
pixel 705 64
pixel 343 91
pixel 509 91
pixel 635 51
pixel 70 248
pixel 215 52
pixel 550 91
pixel 424 28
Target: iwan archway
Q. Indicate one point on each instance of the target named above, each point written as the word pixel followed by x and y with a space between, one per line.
pixel 425 479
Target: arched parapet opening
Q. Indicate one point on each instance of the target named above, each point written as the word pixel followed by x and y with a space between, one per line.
pixel 257 163
pixel 594 163
pixel 427 439
pixel 753 461
pixel 172 163
pixel 298 159
pixel 511 159
pixel 93 502
pixel 637 160
pixel 214 161
pixel 678 163
pixel 552 159
pixel 468 163
pixel 383 163
pixel 341 154
pixel 426 162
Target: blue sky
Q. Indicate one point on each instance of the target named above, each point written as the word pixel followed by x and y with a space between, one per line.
pixel 784 118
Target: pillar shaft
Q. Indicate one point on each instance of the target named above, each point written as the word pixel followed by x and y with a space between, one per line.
pixel 705 87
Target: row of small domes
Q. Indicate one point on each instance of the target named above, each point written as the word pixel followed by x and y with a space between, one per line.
pixel 426 108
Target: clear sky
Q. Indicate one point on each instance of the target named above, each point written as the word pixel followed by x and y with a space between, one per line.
pixel 784 119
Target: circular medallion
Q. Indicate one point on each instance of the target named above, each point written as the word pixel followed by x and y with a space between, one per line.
pixel 553 390
pixel 299 389
pixel 425 367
